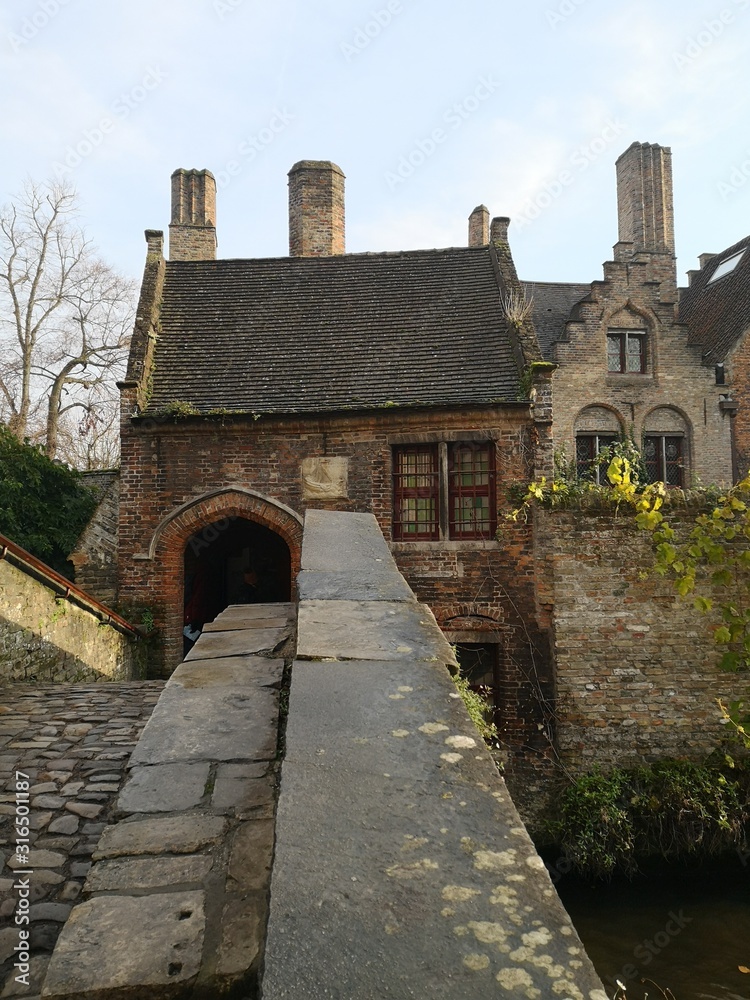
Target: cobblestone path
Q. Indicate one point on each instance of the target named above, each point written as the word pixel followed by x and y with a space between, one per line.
pixel 73 741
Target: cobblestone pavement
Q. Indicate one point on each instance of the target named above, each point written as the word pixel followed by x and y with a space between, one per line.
pixel 73 741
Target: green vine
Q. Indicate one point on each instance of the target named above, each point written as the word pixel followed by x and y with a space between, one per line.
pixel 713 555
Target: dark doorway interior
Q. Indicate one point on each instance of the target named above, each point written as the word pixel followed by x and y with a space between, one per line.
pixel 234 561
pixel 478 663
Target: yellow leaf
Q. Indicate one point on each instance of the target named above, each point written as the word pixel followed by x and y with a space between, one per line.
pixel 743 968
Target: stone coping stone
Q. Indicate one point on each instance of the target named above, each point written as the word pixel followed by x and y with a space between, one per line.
pixel 230 671
pixel 222 720
pixel 370 630
pixel 344 542
pixel 112 943
pixel 160 835
pixel 148 873
pixel 251 611
pixel 422 881
pixel 164 788
pixel 377 585
pixel 237 624
pixel 240 642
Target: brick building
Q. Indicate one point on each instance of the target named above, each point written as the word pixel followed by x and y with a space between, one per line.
pixel 387 383
pixel 715 307
pixel 627 365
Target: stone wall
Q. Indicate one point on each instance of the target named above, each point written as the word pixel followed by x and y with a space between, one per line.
pixel 44 637
pixel 95 555
pixel 636 665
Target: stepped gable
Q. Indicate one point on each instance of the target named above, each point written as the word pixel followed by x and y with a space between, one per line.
pixel 553 303
pixel 718 312
pixel 311 334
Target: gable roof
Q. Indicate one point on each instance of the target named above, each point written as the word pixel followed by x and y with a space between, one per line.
pixel 718 313
pixel 553 304
pixel 304 334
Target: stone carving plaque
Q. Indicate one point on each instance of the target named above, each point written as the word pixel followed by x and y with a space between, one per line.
pixel 324 478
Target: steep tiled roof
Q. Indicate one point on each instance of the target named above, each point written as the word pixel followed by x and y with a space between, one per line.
pixel 295 335
pixel 718 313
pixel 553 302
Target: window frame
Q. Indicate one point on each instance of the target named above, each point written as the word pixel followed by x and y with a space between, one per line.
pixel 447 492
pixel 663 465
pixel 426 491
pixel 459 491
pixel 624 336
pixel 594 469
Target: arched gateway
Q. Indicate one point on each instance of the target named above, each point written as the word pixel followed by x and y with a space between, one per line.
pixel 244 546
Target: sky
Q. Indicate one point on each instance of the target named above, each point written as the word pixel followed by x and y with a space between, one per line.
pixel 430 107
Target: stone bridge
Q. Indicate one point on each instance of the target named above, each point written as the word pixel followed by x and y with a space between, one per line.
pixel 313 818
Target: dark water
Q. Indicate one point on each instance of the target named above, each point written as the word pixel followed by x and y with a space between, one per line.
pixel 687 929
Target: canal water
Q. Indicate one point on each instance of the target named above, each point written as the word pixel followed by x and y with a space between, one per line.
pixel 685 928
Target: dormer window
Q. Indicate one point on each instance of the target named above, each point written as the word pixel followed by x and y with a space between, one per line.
pixel 726 267
pixel 626 351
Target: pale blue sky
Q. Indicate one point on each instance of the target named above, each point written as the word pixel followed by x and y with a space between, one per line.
pixel 521 93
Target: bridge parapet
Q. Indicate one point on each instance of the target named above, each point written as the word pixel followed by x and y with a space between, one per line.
pixel 402 868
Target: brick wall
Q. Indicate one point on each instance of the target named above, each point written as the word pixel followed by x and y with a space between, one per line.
pixel 636 665
pixel 204 471
pixel 738 379
pixel 44 638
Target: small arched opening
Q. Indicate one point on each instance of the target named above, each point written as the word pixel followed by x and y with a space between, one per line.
pixel 233 561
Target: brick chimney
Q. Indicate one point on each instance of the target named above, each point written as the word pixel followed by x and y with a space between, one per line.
pixel 192 230
pixel 499 229
pixel 316 209
pixel 645 205
pixel 479 227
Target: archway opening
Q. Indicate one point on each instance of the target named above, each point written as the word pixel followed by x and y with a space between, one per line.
pixel 233 561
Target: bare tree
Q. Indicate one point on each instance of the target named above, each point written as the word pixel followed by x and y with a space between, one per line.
pixel 65 318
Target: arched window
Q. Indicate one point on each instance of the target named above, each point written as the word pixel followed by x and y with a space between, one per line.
pixel 597 428
pixel 665 447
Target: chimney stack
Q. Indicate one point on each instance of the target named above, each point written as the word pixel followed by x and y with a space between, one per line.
pixel 645 205
pixel 192 230
pixel 316 209
pixel 479 227
pixel 499 229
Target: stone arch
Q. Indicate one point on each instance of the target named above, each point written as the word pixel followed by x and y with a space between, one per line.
pixel 628 313
pixel 665 419
pixel 168 542
pixel 598 417
pixel 489 617
pixel 232 501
